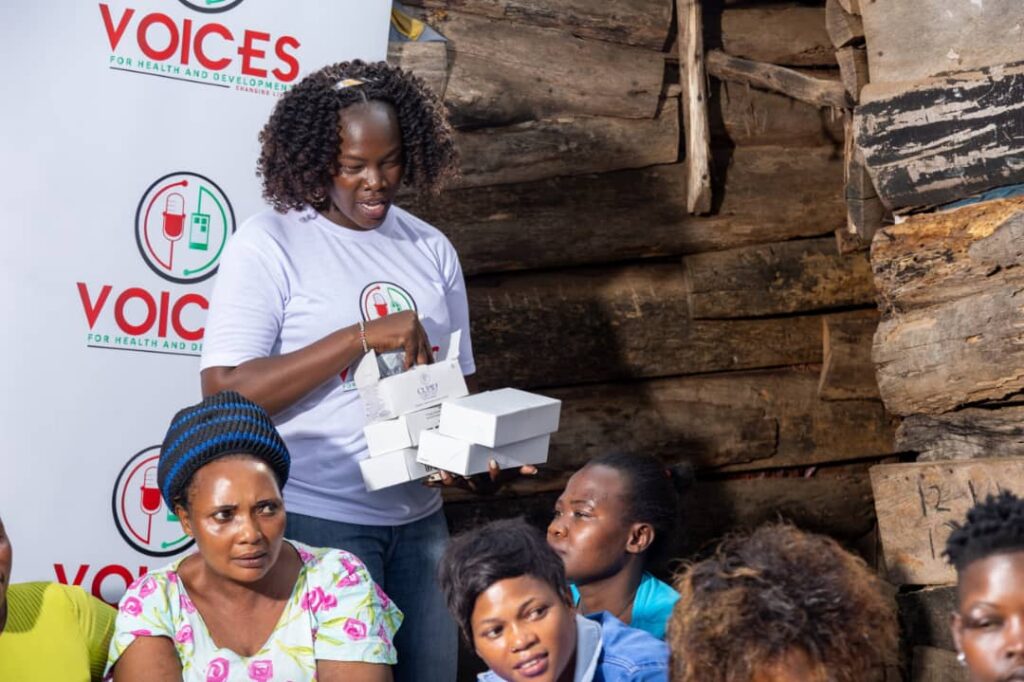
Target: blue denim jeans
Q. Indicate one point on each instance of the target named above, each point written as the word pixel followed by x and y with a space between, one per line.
pixel 403 561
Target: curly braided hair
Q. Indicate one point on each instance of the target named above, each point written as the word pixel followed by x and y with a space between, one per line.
pixel 776 591
pixel 300 142
pixel 994 526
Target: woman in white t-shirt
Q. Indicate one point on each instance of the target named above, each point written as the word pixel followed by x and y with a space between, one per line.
pixel 306 288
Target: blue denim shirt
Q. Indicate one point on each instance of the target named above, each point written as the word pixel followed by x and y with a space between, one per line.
pixel 608 651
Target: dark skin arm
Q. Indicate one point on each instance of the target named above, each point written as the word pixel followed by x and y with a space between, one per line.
pixel 149 658
pixel 276 383
pixel 348 671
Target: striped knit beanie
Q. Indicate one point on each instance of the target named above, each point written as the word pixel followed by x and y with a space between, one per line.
pixel 223 424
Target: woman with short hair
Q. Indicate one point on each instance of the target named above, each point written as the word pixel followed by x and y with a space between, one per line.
pixel 988 624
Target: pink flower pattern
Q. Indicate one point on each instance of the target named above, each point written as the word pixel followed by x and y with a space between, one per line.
pixel 261 671
pixel 351 576
pixel 147 588
pixel 355 629
pixel 318 600
pixel 218 670
pixel 362 616
pixel 132 606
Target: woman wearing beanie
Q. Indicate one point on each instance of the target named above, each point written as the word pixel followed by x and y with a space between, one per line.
pixel 249 605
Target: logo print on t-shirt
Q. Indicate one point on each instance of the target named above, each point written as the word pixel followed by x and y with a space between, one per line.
pixel 380 299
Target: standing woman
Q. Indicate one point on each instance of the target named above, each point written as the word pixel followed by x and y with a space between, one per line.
pixel 305 289
pixel 988 554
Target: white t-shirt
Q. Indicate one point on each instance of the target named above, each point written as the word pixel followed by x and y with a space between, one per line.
pixel 288 280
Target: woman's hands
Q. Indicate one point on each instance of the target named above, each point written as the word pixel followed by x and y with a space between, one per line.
pixel 482 484
pixel 400 331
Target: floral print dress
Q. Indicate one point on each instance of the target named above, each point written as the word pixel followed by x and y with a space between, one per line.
pixel 336 612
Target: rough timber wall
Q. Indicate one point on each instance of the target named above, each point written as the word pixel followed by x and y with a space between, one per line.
pixel 737 339
pixel 939 122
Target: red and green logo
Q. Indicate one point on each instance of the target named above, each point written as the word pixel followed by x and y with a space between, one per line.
pixel 140 513
pixel 181 226
pixel 380 299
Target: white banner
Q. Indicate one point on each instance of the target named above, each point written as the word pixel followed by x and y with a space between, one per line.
pixel 129 154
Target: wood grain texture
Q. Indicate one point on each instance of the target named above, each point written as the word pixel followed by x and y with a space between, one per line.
pixel 847 371
pixel 939 140
pixel 788 34
pixel 943 257
pixel 853 69
pixel 751 116
pixel 924 616
pixel 733 421
pixel 632 22
pixel 949 284
pixel 604 324
pixel 844 28
pixel 971 433
pixel 502 73
pixel 763 194
pixel 773 279
pixel 935 359
pixel 947 36
pixel 567 146
pixel 917 503
pixel 428 60
pixel 695 106
pixel 817 91
pixel 936 665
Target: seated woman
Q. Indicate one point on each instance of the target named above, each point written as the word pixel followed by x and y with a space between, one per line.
pixel 249 605
pixel 506 589
pixel 779 605
pixel 49 632
pixel 988 554
pixel 614 521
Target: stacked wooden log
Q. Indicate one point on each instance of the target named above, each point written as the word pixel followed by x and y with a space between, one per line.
pixel 938 122
pixel 692 328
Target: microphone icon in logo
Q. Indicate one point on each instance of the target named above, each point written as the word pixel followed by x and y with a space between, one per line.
pixel 150 500
pixel 174 220
pixel 380 304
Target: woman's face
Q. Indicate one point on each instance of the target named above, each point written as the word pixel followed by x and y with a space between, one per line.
pixel 590 531
pixel 370 169
pixel 6 558
pixel 236 516
pixel 525 630
pixel 988 626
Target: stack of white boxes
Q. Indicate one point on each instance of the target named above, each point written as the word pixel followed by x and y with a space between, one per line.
pixel 399 408
pixel 510 426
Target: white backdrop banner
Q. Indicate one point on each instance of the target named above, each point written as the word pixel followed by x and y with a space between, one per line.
pixel 129 154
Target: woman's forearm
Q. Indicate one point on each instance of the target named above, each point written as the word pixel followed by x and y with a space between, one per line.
pixel 276 383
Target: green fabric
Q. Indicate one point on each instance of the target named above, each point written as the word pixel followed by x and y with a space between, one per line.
pixel 54 633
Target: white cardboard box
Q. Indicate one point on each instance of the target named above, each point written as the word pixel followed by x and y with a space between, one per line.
pixel 400 432
pixel 387 397
pixel 462 457
pixel 497 418
pixel 392 468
